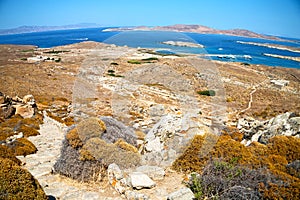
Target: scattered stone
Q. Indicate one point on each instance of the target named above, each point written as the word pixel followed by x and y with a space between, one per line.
pixel 139 180
pixel 182 194
pixel 25 107
pixel 154 172
pixel 287 124
pixel 114 173
pixel 133 195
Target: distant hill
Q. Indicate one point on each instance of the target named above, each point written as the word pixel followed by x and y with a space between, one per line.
pixel 197 29
pixel 31 29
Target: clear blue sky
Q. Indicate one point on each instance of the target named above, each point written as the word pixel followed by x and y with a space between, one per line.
pixel 277 17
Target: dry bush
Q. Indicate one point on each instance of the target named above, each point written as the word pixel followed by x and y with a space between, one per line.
pixel 6 152
pixel 6 132
pixel 125 146
pixel 73 138
pixel 227 180
pixel 90 128
pixel 22 147
pixel 17 183
pixel 27 130
pixel 70 165
pixel 273 157
pixel 110 153
pixel 85 155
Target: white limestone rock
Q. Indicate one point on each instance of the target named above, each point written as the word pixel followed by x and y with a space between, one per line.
pixel 139 180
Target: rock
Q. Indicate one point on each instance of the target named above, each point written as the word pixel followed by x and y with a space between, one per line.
pixel 133 195
pixel 139 180
pixel 28 99
pixel 295 124
pixel 114 173
pixel 116 178
pixel 12 138
pixel 24 110
pixel 165 128
pixel 154 145
pixel 286 124
pixel 8 112
pixel 156 110
pixel 182 194
pixel 154 172
pixel 116 130
pixel 293 168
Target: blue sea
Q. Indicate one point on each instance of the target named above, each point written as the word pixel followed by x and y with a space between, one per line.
pixel 214 44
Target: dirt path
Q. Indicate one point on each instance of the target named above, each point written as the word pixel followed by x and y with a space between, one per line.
pixel 254 89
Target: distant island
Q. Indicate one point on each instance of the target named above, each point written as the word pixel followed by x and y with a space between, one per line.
pixel 32 29
pixel 196 29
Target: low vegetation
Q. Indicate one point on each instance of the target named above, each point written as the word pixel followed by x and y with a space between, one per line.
pixel 56 51
pixel 91 146
pixel 134 62
pixel 111 72
pixel 18 183
pixel 207 92
pixel 145 60
pixel 264 165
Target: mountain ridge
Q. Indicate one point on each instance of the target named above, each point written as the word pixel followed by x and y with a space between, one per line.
pixel 32 29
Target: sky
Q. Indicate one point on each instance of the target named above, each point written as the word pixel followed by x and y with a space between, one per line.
pixel 274 17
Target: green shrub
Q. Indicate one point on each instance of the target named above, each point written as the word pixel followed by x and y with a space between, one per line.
pixel 150 59
pixel 134 62
pixel 207 92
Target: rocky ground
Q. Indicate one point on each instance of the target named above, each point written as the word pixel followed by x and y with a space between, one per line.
pixel 156 104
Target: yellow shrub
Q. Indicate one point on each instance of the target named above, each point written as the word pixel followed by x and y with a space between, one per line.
pixel 18 183
pixel 125 146
pixel 23 147
pixel 73 138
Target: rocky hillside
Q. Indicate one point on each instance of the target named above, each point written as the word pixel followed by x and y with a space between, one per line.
pixel 109 122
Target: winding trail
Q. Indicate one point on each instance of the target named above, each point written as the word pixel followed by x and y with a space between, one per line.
pixel 254 89
pixel 40 165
